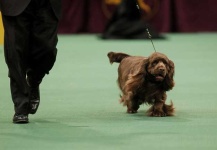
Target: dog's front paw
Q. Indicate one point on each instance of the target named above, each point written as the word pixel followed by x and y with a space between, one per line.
pixel 132 108
pixel 156 112
pixel 131 111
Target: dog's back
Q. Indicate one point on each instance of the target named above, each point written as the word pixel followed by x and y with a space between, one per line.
pixel 128 65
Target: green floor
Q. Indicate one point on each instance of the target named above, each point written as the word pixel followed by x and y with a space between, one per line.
pixel 79 99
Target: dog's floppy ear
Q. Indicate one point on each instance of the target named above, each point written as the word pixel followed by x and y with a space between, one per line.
pixel 136 79
pixel 141 70
pixel 169 82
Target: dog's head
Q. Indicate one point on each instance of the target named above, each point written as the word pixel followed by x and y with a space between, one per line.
pixel 160 69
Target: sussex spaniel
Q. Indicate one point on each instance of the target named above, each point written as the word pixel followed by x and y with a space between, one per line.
pixel 145 80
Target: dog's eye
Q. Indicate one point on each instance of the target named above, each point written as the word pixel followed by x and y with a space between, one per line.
pixel 165 62
pixel 154 63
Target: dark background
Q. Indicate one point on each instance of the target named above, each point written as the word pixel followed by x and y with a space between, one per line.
pixel 91 16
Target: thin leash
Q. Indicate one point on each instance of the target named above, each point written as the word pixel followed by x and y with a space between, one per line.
pixel 149 35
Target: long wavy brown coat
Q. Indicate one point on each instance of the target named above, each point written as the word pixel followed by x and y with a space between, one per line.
pixel 145 80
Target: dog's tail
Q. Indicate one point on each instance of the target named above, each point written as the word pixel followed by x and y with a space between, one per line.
pixel 116 57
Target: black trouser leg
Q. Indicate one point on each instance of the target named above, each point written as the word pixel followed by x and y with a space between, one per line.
pixel 30 44
pixel 44 39
pixel 20 99
pixel 15 49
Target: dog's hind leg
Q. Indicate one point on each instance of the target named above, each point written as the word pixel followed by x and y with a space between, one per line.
pixel 130 101
pixel 133 107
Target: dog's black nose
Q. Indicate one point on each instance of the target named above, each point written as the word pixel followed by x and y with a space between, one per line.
pixel 162 69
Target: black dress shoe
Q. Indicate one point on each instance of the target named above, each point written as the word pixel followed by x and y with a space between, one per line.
pixel 34 95
pixel 34 99
pixel 20 119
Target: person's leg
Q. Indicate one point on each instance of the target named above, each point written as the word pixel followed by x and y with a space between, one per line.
pixel 21 103
pixel 43 40
pixel 15 50
pixel 16 46
pixel 42 50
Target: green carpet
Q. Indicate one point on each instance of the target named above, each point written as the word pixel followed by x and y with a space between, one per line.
pixel 79 99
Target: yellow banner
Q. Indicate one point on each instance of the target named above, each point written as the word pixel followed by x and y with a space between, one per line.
pixel 1 31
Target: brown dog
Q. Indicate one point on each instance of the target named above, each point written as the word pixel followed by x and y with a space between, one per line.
pixel 145 80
